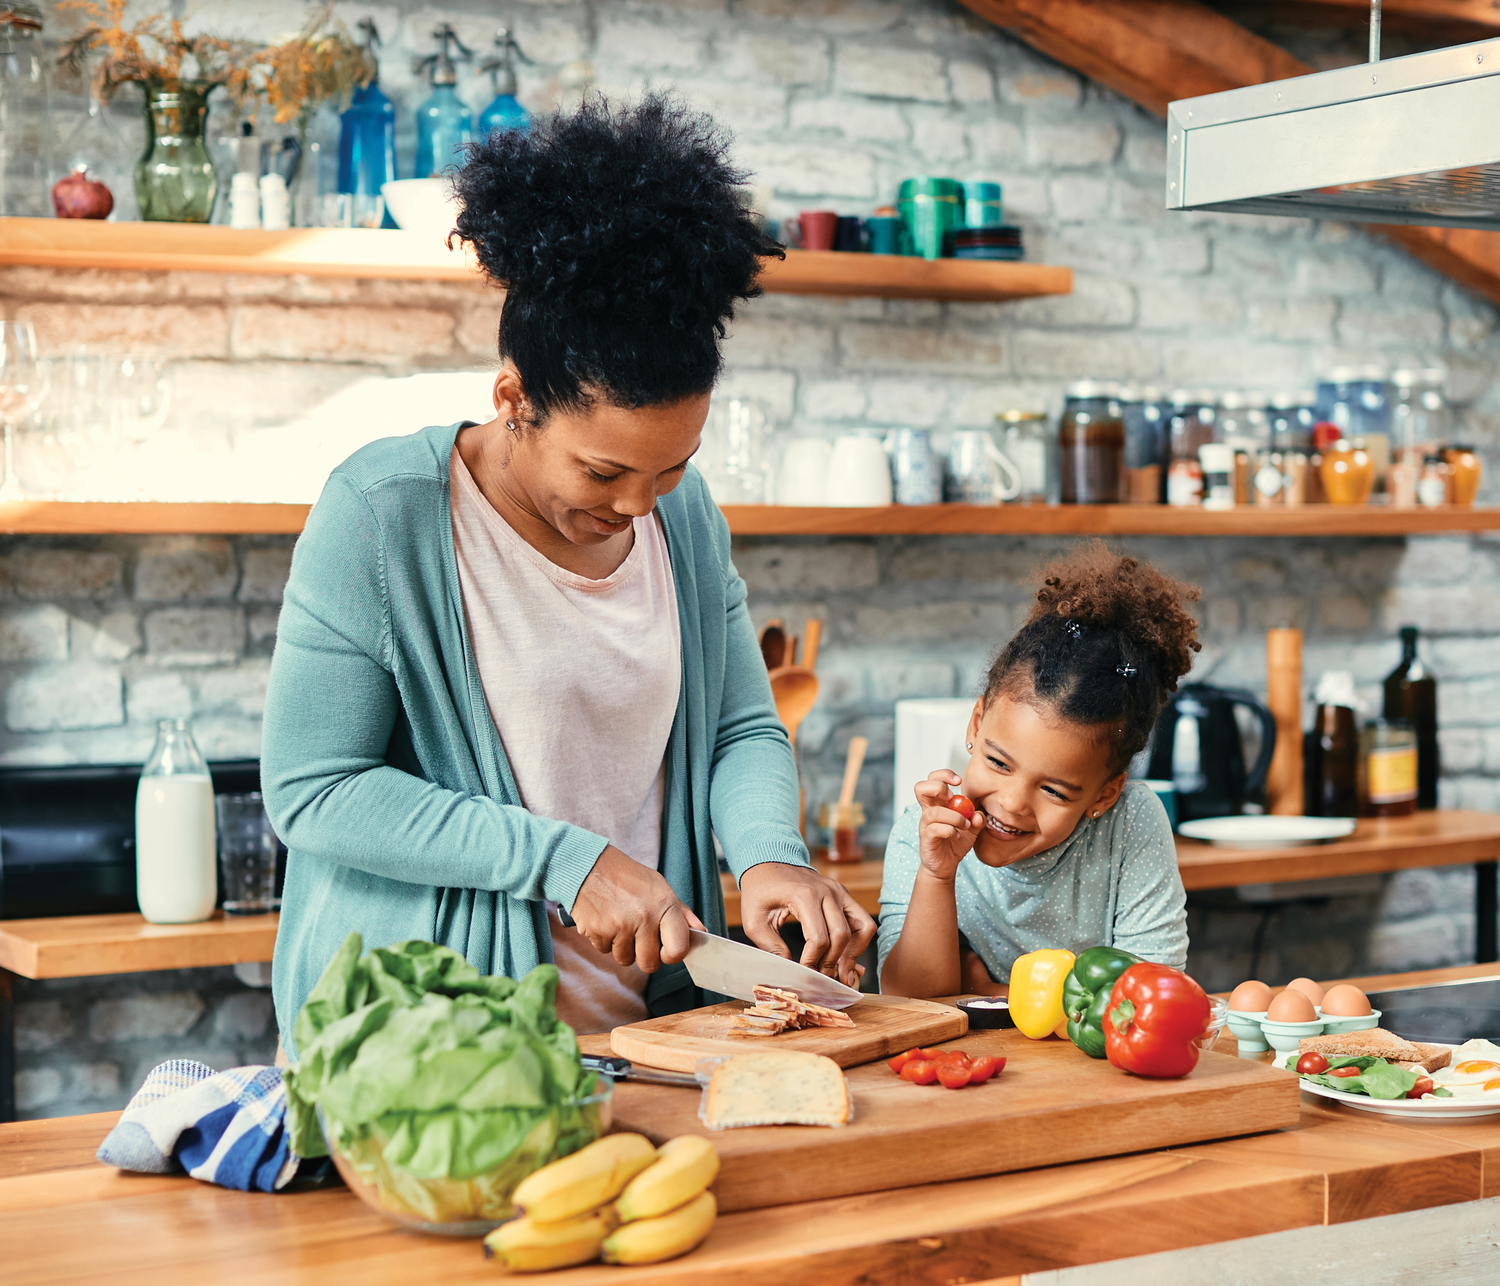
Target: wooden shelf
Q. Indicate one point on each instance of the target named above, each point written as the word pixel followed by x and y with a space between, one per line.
pixel 81 946
pixel 101 518
pixel 362 252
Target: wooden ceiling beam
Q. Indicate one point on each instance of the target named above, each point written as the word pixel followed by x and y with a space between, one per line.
pixel 1156 51
pixel 1453 21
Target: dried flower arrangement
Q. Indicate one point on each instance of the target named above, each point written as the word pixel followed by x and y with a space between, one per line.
pixel 317 64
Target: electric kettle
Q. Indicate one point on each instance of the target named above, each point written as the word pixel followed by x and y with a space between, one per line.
pixel 1197 746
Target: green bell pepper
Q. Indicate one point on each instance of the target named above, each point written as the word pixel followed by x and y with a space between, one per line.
pixel 1086 995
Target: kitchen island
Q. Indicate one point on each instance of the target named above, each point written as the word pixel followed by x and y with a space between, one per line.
pixel 64 1217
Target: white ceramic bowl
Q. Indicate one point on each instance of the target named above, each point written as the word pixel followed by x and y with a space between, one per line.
pixel 427 206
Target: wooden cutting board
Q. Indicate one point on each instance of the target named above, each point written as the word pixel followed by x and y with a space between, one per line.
pixel 883 1025
pixel 1051 1104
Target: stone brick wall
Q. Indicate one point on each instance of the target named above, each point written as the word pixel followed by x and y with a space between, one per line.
pixel 832 102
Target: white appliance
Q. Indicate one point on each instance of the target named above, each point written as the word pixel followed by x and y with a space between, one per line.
pixel 930 733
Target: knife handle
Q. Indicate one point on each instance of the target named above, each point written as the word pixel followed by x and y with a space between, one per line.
pixel 616 1069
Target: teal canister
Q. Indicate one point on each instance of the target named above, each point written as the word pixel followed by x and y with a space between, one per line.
pixel 983 207
pixel 931 209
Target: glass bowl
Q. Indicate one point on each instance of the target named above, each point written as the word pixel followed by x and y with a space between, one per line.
pixel 1218 1015
pixel 455 1207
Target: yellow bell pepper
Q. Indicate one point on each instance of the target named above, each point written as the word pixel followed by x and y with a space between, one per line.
pixel 1036 991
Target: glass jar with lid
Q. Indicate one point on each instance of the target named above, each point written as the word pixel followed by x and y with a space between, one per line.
pixel 1091 445
pixel 1463 474
pixel 1388 762
pixel 1032 447
pixel 1145 412
pixel 27 133
pixel 1244 427
pixel 1191 417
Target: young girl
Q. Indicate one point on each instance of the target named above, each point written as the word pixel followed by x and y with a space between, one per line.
pixel 1070 854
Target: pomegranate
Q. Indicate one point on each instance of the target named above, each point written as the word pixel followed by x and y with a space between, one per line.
pixel 80 197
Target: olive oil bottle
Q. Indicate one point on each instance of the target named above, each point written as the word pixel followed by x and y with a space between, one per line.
pixel 1411 695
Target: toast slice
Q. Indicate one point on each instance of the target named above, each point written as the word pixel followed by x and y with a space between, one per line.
pixel 1373 1042
pixel 1434 1057
pixel 775 1088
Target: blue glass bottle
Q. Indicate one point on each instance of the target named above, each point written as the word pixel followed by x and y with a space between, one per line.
pixel 504 111
pixel 367 134
pixel 444 124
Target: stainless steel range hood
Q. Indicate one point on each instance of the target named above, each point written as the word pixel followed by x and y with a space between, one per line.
pixel 1409 140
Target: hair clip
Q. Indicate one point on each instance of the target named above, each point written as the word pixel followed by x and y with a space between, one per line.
pixel 1073 628
pixel 1124 671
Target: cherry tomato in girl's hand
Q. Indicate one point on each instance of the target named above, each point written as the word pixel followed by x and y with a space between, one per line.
pixel 1312 1064
pixel 1423 1086
pixel 985 1066
pixel 920 1071
pixel 963 805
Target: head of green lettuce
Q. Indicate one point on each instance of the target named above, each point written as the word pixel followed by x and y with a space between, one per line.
pixel 425 1069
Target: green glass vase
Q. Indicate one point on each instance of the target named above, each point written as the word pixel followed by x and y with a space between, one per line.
pixel 175 180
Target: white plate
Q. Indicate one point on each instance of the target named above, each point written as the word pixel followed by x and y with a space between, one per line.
pixel 1409 1107
pixel 1266 831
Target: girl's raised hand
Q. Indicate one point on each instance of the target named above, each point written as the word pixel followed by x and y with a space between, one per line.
pixel 945 836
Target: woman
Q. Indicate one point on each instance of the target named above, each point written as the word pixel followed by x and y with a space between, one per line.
pixel 516 691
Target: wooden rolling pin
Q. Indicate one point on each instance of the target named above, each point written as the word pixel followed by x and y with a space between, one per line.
pixel 1284 700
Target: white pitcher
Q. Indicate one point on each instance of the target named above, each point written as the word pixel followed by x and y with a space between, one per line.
pixel 979 473
pixel 859 472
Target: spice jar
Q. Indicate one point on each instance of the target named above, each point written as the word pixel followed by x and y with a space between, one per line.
pixel 841 830
pixel 1463 475
pixel 1388 762
pixel 1217 459
pixel 1091 445
pixel 1145 414
pixel 1346 473
pixel 1190 424
pixel 1432 486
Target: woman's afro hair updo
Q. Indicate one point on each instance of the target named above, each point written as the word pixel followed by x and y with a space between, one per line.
pixel 1107 639
pixel 623 238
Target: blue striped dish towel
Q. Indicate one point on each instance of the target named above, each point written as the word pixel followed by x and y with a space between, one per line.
pixel 222 1127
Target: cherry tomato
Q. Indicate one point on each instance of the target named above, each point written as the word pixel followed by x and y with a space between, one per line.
pixel 1312 1063
pixel 901 1060
pixel 1423 1086
pixel 985 1066
pixel 954 1075
pixel 1344 1072
pixel 963 805
pixel 920 1071
pixel 950 1056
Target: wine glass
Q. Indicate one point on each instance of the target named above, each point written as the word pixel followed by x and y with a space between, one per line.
pixel 23 385
pixel 143 389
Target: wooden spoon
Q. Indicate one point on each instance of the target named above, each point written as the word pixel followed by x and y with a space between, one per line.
pixel 811 637
pixel 773 644
pixel 852 765
pixel 795 689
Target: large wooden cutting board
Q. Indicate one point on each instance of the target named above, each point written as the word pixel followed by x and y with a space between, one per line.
pixel 1051 1104
pixel 883 1025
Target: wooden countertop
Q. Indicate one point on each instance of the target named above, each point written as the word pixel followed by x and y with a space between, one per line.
pixel 64 1218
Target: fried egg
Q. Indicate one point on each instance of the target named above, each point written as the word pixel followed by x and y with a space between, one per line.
pixel 1474 1069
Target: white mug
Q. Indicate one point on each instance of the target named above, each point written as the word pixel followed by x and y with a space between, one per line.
pixel 859 473
pixel 979 473
pixel 803 476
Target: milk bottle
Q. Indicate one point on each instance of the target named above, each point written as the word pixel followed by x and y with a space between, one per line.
pixel 175 874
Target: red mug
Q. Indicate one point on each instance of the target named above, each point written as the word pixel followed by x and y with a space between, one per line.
pixel 813 229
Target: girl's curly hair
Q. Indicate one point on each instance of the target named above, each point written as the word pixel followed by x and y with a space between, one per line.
pixel 623 239
pixel 1106 642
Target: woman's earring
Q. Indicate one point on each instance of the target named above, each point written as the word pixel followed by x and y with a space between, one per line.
pixel 511 425
pixel 970 746
pixel 1096 814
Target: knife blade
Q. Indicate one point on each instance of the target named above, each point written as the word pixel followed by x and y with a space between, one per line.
pixel 622 1069
pixel 733 969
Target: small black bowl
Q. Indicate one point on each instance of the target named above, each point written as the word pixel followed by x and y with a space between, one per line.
pixel 987 1012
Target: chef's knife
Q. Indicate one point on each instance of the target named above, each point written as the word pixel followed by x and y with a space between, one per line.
pixel 733 969
pixel 622 1069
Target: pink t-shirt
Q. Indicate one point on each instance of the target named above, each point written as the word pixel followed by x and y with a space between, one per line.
pixel 581 678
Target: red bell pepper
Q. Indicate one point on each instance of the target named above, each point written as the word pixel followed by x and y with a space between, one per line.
pixel 1155 1013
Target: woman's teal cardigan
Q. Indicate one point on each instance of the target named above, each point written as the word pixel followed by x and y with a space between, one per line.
pixel 384 774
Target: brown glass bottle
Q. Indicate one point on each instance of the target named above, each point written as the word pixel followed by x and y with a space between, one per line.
pixel 1411 694
pixel 1330 763
pixel 1091 446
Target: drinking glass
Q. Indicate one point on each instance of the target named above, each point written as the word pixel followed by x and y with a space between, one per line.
pixel 143 393
pixel 23 386
pixel 76 429
pixel 247 854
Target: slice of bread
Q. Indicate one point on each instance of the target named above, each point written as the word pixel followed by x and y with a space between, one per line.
pixel 776 1087
pixel 1434 1057
pixel 1370 1043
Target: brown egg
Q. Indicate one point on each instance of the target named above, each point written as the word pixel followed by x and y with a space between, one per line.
pixel 1291 1007
pixel 1345 1001
pixel 1250 997
pixel 1308 988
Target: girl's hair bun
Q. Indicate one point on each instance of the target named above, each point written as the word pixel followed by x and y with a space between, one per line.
pixel 623 238
pixel 1106 642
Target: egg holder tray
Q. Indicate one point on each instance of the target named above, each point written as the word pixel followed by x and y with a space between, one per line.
pixel 1256 1033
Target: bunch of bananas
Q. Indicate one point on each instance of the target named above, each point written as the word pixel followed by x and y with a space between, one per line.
pixel 619 1199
